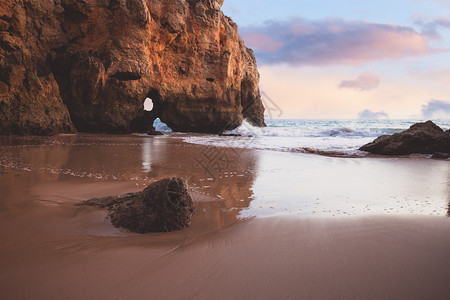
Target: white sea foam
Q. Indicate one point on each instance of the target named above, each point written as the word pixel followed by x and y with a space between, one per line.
pixel 335 137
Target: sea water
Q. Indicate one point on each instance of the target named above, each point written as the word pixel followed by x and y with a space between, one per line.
pixel 333 137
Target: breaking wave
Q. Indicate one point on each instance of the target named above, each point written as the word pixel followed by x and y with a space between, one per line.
pixel 327 137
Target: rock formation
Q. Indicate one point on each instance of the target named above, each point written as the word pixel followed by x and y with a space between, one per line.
pixel 163 206
pixel 30 101
pixel 425 138
pixel 100 59
pixel 440 155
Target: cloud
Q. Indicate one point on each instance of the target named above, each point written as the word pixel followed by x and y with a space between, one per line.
pixel 431 29
pixel 264 42
pixel 370 115
pixel 365 82
pixel 333 42
pixel 436 109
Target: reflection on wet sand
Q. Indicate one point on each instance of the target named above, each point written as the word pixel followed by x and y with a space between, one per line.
pixel 26 161
pixel 57 170
pixel 220 179
pixel 43 156
pixel 43 177
pixel 448 194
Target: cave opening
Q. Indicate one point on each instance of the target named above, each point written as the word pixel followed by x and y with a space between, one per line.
pixel 148 104
pixel 153 106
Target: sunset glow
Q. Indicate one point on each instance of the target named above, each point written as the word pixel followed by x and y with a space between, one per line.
pixel 322 63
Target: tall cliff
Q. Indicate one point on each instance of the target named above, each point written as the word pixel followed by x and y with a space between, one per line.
pixel 92 63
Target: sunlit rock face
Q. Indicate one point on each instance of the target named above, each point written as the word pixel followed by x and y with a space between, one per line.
pixel 102 58
pixel 30 101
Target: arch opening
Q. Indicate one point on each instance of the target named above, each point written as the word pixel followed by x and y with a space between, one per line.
pixel 152 106
pixel 148 104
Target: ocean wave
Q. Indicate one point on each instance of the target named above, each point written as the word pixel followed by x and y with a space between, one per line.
pixel 362 132
pixel 324 137
pixel 311 129
pixel 329 146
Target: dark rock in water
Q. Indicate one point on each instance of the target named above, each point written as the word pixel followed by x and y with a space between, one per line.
pixel 440 155
pixel 154 132
pixel 230 134
pixel 94 63
pixel 424 138
pixel 163 206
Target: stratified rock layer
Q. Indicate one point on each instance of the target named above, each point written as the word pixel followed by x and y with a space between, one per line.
pixel 163 206
pixel 424 138
pixel 102 58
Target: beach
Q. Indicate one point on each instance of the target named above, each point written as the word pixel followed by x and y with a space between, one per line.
pixel 267 224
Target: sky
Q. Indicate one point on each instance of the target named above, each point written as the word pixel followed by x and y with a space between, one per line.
pixel 328 59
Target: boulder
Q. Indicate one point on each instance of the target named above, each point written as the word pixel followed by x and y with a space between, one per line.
pixel 440 155
pixel 153 131
pixel 163 206
pixel 424 138
pixel 90 65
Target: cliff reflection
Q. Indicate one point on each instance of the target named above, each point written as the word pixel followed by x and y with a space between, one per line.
pixel 106 157
pixel 220 179
pixel 447 190
pixel 36 154
pixel 25 161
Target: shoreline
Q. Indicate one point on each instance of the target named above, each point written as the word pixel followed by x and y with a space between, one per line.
pixel 218 172
pixel 182 136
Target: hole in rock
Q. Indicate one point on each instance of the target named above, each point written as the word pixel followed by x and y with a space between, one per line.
pixel 126 76
pixel 210 79
pixel 148 104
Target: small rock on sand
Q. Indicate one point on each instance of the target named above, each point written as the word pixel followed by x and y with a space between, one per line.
pixel 163 206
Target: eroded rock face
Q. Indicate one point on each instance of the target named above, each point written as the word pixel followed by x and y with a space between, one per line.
pixel 424 138
pixel 163 206
pixel 30 102
pixel 103 58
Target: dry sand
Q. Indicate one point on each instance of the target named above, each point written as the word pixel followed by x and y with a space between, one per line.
pixel 395 245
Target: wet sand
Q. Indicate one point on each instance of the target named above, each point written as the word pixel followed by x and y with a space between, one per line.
pixel 267 225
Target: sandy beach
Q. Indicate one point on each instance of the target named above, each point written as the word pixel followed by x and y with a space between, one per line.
pixel 267 224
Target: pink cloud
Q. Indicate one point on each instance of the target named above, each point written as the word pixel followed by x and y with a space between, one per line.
pixel 262 42
pixel 365 82
pixel 333 42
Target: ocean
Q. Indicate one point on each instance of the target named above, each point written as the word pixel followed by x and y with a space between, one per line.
pixel 328 137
